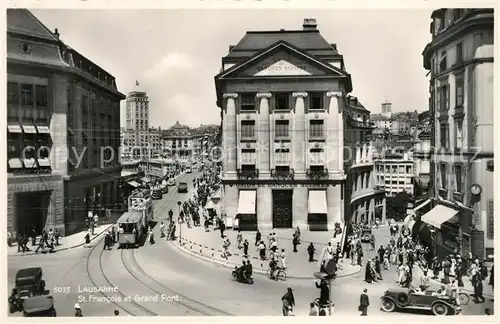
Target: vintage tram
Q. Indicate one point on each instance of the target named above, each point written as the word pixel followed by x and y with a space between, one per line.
pixel 133 224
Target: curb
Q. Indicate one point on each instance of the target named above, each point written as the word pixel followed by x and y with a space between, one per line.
pixel 461 288
pixel 64 248
pixel 232 264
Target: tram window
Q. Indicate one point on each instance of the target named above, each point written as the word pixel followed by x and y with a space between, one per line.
pixel 128 228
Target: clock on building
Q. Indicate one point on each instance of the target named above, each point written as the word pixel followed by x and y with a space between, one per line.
pixel 475 189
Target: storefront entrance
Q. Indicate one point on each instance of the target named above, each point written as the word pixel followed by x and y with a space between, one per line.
pixel 282 208
pixel 31 211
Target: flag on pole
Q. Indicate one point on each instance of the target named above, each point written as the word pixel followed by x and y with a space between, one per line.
pixel 136 83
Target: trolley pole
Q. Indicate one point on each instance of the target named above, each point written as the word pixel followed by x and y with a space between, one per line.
pixel 179 203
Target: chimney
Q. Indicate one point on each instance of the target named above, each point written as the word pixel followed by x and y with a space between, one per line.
pixel 56 33
pixel 309 24
pixel 334 46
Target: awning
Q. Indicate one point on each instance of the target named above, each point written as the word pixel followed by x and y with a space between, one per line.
pixel 438 215
pixel 246 202
pixel 210 205
pixel 422 205
pixel 29 129
pixel 145 179
pixel 15 163
pixel 44 162
pixel 43 129
pixel 133 184
pixel 29 163
pixel 14 129
pixel 317 202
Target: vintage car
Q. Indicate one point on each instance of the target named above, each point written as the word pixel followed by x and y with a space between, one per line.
pixel 401 298
pixel 39 306
pixel 157 193
pixel 171 182
pixel 366 235
pixel 29 283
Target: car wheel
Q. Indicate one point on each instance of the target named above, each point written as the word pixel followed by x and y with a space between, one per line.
pixel 387 305
pixel 403 299
pixel 234 276
pixel 440 309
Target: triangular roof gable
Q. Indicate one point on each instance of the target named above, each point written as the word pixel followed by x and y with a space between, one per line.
pixel 317 64
pixel 22 21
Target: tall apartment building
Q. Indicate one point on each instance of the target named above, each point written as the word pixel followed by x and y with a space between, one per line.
pixel 460 60
pixel 137 111
pixel 63 110
pixel 282 96
pixel 386 109
pixel 394 174
pixel 366 202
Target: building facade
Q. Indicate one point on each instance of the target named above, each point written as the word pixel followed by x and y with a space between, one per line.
pixel 366 202
pixel 63 114
pixel 386 109
pixel 394 174
pixel 282 136
pixel 137 111
pixel 460 60
pixel 422 155
pixel 177 142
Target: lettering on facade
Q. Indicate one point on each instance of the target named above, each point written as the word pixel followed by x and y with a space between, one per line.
pixel 476 215
pixel 281 66
pixel 490 226
pixel 281 185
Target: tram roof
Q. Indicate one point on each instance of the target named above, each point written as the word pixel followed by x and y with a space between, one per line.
pixel 130 217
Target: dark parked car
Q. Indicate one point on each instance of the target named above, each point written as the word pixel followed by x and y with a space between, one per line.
pixel 157 194
pixel 182 187
pixel 39 306
pixel 29 283
pixel 366 235
pixel 401 298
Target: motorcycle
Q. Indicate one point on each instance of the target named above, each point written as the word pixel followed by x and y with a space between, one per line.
pixel 245 279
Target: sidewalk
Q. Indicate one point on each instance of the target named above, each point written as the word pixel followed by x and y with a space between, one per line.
pixel 468 288
pixel 66 243
pixel 208 246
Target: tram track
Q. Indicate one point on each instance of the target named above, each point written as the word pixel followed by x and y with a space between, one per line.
pixel 130 307
pixel 136 271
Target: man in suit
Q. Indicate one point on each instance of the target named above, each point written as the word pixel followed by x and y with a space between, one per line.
pixel 364 302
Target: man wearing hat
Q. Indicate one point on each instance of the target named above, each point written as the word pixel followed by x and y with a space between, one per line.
pixel 78 310
pixel 364 302
pixel 288 301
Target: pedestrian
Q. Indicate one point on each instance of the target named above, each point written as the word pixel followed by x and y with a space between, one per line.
pixel 239 238
pixel 170 215
pixel 162 230
pixel 372 242
pixel 245 248
pixel 295 242
pixel 288 301
pixel 151 237
pixel 258 237
pixel 478 290
pixel 329 251
pixel 310 250
pixel 364 302
pixel 87 238
pixel 78 310
pixel 222 228
pixel 359 253
pixel 492 277
pixel 283 259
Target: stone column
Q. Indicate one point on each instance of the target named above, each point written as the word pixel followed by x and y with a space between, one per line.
pixel 335 136
pixel 369 156
pixel 299 136
pixel 58 124
pixel 263 136
pixel 384 210
pixel 229 135
pixel 358 154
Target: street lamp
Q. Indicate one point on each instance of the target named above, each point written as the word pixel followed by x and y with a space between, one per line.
pixel 179 203
pixel 329 276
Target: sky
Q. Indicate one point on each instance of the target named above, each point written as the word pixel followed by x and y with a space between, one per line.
pixel 175 54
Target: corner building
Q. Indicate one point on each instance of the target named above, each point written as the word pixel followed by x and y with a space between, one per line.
pixel 63 131
pixel 282 99
pixel 460 58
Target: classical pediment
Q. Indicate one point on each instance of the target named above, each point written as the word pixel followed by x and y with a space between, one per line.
pixel 282 60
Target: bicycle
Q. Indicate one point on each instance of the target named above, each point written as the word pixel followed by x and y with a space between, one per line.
pixel 280 274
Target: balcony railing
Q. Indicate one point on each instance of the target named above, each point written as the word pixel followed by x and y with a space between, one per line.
pixel 282 174
pixel 248 174
pixel 317 174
